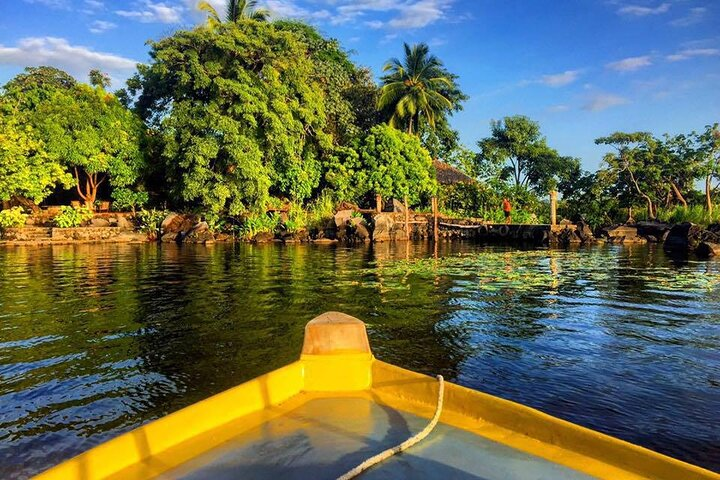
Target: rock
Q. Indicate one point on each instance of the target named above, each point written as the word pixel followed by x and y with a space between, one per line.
pixel 708 249
pixel 360 232
pixel 200 233
pixel 176 223
pixel 170 237
pixel 222 237
pixel 398 206
pixel 99 222
pixel 584 232
pixel 714 228
pixel 653 231
pixel 325 241
pixel 565 221
pixel 263 237
pixel 124 223
pixel 342 218
pixel 683 237
pixel 622 234
pixel 383 227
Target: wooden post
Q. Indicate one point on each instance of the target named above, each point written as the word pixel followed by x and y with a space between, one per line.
pixel 553 207
pixel 407 219
pixel 378 203
pixel 435 218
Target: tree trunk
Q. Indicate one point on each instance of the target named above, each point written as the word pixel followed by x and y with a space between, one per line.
pixel 410 125
pixel 678 194
pixel 650 205
pixel 89 193
pixel 708 195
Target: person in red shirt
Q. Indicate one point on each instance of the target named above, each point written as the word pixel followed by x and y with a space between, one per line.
pixel 507 208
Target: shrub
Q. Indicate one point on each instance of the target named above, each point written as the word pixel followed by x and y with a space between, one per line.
pixel 72 216
pixel 12 218
pixel 258 224
pixel 124 199
pixel 150 221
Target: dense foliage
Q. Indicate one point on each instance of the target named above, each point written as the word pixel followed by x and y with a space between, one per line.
pixel 387 162
pixel 55 129
pixel 238 116
pixel 72 216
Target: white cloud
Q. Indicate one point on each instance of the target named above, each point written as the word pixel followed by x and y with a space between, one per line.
pixel 74 59
pixel 558 108
pixel 408 14
pixel 289 9
pixel 630 64
pixel 419 14
pixel 560 79
pixel 149 12
pixel 689 53
pixel 94 4
pixel 602 101
pixel 100 26
pixel 696 15
pixel 641 11
pixel 62 4
pixel 374 24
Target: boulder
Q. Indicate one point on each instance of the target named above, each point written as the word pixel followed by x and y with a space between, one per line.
pixel 170 237
pixel 342 218
pixel 124 223
pixel 177 223
pixel 584 232
pixel 383 224
pixel 653 231
pixel 708 249
pixel 99 222
pixel 398 206
pixel 622 234
pixel 263 237
pixel 200 233
pixel 360 232
pixel 683 237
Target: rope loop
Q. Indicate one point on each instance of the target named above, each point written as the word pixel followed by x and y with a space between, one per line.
pixel 404 445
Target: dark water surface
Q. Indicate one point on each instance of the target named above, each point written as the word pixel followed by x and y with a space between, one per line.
pixel 98 339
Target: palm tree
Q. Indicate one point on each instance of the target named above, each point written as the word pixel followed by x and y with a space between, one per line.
pixel 418 87
pixel 235 10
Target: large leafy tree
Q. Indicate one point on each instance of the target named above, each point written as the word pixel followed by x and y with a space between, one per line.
pixel 418 89
pixel 350 92
pixel 237 114
pixel 95 136
pixel 517 151
pixel 59 122
pixel 387 162
pixel 235 11
pixel 708 156
pixel 26 169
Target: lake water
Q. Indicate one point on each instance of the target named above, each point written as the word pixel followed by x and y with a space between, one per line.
pixel 98 339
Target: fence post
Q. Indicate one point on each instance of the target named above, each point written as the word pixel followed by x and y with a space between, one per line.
pixel 435 218
pixel 378 203
pixel 407 218
pixel 553 207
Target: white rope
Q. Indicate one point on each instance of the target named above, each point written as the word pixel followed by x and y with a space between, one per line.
pixel 404 445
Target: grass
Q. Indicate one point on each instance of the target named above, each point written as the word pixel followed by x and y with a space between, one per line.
pixel 679 214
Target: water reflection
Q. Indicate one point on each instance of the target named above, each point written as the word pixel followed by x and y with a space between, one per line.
pixel 97 339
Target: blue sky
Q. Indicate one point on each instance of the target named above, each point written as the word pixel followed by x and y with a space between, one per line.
pixel 582 68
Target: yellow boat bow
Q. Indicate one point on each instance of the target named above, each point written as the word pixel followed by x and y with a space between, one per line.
pixel 338 405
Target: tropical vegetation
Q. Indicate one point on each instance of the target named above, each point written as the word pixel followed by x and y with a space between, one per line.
pixel 244 112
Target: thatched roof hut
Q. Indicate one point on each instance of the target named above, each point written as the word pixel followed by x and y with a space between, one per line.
pixel 446 174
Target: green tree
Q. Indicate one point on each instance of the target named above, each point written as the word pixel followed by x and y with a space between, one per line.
pixel 237 115
pixel 516 151
pixel 235 11
pixel 387 162
pixel 99 79
pixel 708 152
pixel 26 169
pixel 418 89
pixel 84 129
pixel 632 166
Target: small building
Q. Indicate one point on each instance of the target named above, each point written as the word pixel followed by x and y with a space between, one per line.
pixel 446 174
